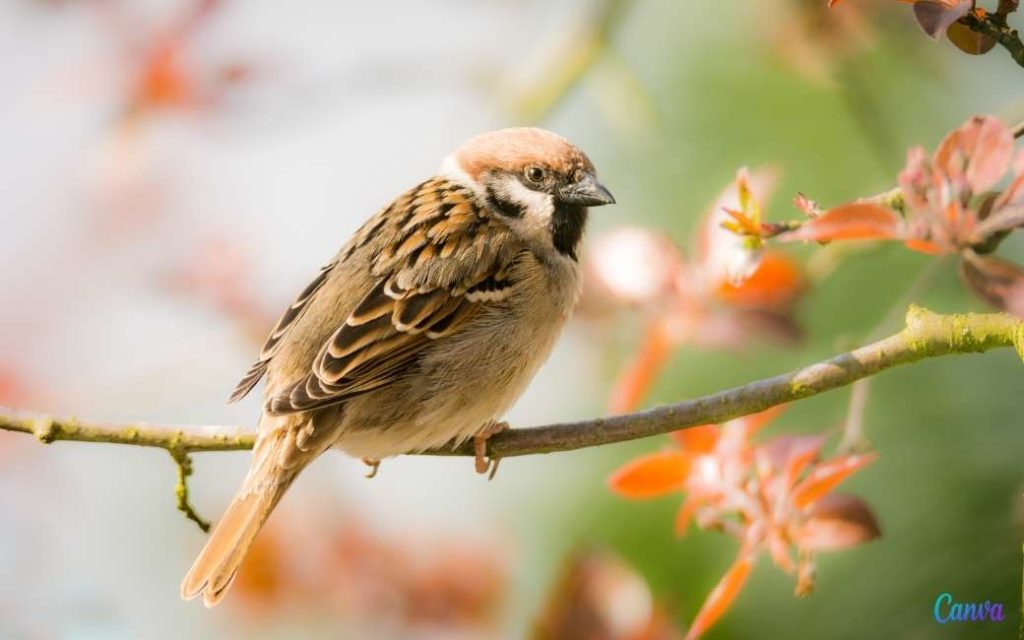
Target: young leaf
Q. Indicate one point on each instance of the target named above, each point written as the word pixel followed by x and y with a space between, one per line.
pixel 935 17
pixel 651 476
pixel 636 380
pixel 723 595
pixel 684 515
pixel 996 281
pixel 969 41
pixel 998 224
pixel 838 521
pixel 793 454
pixel 775 283
pixel 985 144
pixel 927 247
pixel 824 477
pixel 854 221
pixel 700 439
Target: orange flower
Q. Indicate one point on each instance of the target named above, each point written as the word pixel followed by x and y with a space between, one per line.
pixel 709 464
pixel 946 209
pixel 730 236
pixel 775 497
pixel 774 284
pixel 729 292
pixel 723 595
pixel 938 194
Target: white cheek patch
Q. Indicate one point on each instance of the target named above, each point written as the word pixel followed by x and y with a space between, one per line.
pixel 537 206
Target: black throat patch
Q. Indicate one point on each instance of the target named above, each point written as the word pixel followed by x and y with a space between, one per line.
pixel 567 223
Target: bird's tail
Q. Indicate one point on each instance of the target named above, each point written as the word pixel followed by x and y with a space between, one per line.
pixel 214 570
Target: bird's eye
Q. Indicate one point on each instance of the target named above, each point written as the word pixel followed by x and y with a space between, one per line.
pixel 535 174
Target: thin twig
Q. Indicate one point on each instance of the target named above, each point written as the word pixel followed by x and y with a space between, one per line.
pixel 926 335
pixel 867 114
pixel 853 439
pixel 995 26
pixel 573 61
pixel 184 462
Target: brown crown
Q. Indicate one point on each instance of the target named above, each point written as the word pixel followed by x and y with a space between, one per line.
pixel 515 149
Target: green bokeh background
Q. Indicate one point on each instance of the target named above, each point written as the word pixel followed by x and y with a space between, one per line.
pixel 349 104
pixel 947 487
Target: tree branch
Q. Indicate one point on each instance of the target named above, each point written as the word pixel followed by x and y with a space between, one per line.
pixel 575 58
pixel 173 438
pixel 994 25
pixel 926 335
pixel 184 462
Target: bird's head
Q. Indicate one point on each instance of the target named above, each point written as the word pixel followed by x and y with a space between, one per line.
pixel 538 182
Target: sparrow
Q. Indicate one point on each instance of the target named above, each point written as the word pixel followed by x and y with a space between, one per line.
pixel 424 328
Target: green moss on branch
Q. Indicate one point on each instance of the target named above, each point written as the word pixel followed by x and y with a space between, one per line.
pixel 926 335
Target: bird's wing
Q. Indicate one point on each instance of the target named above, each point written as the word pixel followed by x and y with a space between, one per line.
pixel 437 258
pixel 284 324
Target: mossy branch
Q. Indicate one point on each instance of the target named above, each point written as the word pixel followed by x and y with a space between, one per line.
pixel 184 463
pixel 926 335
pixel 175 439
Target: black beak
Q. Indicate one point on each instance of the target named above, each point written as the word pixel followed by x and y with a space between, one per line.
pixel 587 192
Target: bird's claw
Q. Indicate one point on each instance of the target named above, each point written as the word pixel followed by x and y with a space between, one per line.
pixel 374 466
pixel 483 463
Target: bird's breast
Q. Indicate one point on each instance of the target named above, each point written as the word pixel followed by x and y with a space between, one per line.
pixel 469 377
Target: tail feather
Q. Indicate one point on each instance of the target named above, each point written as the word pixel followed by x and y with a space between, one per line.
pixel 214 570
pixel 277 460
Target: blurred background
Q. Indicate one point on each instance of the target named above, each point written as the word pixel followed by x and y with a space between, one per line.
pixel 175 171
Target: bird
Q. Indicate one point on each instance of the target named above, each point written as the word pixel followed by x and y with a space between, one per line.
pixel 422 330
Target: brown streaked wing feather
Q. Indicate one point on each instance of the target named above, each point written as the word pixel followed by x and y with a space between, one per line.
pixel 437 263
pixel 271 346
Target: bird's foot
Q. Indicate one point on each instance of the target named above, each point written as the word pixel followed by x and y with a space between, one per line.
pixel 374 466
pixel 485 464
